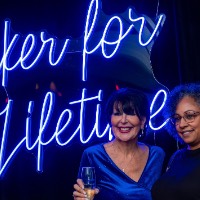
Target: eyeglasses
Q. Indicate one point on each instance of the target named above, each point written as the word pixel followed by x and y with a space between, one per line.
pixel 189 116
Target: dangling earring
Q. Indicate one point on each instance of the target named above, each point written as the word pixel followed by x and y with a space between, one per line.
pixel 141 135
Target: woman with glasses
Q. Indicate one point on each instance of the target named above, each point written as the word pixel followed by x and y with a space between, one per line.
pixel 181 181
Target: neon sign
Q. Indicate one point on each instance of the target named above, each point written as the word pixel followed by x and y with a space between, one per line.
pixel 30 55
pixel 61 126
pixel 27 59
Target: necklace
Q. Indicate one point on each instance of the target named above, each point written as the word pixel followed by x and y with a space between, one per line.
pixel 121 164
pixel 126 166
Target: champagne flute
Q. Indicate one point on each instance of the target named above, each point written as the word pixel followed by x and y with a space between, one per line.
pixel 89 180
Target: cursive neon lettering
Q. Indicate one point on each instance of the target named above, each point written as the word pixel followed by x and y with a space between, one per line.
pixel 33 48
pixel 60 130
pixel 158 110
pixel 90 29
pixel 27 58
pixel 4 163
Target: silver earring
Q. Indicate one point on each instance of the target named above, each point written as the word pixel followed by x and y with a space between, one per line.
pixel 141 133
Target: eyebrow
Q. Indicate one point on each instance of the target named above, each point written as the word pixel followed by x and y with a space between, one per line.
pixel 187 111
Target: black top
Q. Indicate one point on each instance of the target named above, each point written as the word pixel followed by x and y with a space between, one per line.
pixel 182 179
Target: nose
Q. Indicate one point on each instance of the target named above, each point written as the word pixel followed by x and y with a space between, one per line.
pixel 183 123
pixel 124 118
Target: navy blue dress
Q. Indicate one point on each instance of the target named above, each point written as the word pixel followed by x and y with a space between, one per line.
pixel 113 183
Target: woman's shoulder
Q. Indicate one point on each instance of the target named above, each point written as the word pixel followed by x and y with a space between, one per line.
pixel 156 149
pixel 176 156
pixel 152 147
pixel 178 153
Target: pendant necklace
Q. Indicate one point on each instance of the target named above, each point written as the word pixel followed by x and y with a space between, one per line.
pixel 124 168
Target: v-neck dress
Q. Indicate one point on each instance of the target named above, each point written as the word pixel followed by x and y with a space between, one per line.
pixel 113 183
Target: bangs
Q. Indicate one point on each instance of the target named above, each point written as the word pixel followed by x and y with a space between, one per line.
pixel 125 106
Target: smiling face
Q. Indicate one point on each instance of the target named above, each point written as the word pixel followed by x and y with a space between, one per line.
pixel 125 126
pixel 189 132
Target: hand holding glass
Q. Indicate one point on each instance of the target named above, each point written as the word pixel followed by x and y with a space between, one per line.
pixel 89 180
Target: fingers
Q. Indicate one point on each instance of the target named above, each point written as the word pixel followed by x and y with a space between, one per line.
pixel 79 193
pixel 80 183
pixel 79 196
pixel 79 186
pixel 78 189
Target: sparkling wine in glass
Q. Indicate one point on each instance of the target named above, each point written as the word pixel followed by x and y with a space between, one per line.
pixel 89 180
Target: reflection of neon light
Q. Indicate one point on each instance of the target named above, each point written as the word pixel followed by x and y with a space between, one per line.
pixel 162 105
pixel 27 59
pixel 61 126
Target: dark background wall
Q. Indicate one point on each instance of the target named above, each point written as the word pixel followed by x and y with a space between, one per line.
pixel 174 59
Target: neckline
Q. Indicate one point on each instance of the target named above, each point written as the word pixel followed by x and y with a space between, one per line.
pixel 192 152
pixel 121 171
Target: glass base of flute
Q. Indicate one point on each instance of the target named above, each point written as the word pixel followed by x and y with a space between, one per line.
pixel 89 180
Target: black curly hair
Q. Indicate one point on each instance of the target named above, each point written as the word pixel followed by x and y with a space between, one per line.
pixel 175 96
